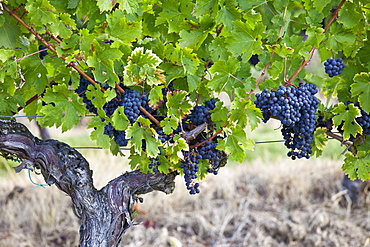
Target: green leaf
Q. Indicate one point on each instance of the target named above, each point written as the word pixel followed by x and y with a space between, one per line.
pixel 119 119
pixel 140 162
pixel 140 131
pixel 72 4
pixel 220 114
pixel 243 40
pixel 156 97
pixel 62 100
pixel 97 134
pixel 357 166
pixel 236 143
pixel 178 104
pixel 169 125
pixel 41 12
pixel 104 5
pixel 361 87
pixel 346 115
pixel 5 55
pixel 222 71
pixel 102 62
pixel 130 6
pixel 193 39
pixel 320 140
pixel 9 32
pixel 189 60
pixel 142 67
pixel 349 15
pixel 320 5
pixel 120 28
pixel 243 111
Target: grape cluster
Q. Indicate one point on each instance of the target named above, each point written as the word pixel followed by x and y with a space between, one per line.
pixel 363 120
pixel 43 53
pixel 190 165
pixel 200 114
pixel 81 91
pixel 210 152
pixel 295 108
pixel 334 67
pixel 207 153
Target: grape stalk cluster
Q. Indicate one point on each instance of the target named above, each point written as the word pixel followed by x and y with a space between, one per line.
pixel 334 67
pixel 295 108
pixel 132 100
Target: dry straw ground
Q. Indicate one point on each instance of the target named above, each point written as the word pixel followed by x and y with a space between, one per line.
pixel 279 203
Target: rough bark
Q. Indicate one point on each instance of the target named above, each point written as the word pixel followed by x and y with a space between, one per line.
pixel 105 214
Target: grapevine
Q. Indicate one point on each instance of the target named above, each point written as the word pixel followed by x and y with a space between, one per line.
pixel 154 88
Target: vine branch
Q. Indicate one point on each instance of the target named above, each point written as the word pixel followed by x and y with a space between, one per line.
pixel 306 61
pixel 105 214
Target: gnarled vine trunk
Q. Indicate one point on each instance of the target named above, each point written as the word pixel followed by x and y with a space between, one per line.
pixel 105 214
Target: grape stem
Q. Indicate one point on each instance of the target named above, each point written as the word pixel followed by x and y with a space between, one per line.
pixel 210 138
pixel 348 143
pixel 20 59
pixel 191 135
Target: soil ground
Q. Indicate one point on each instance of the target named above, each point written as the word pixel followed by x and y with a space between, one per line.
pixel 281 203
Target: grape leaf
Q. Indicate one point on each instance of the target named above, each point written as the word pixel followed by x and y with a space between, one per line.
pixel 319 141
pixel 102 60
pixel 140 162
pixel 169 125
pixel 61 100
pixel 141 67
pixel 243 40
pixel 9 32
pixel 220 114
pixel 357 166
pixel 192 40
pixel 41 12
pixel 222 71
pixel 156 97
pixel 104 5
pixel 349 15
pixel 131 6
pixel 177 104
pixel 361 87
pixel 140 131
pixel 5 55
pixel 120 28
pixel 72 4
pixel 119 119
pixel 346 115
pixel 236 143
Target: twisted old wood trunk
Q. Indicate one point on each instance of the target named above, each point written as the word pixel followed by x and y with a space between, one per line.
pixel 105 214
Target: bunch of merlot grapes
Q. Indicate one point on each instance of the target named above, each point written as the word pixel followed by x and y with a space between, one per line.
pixel 363 120
pixel 201 113
pixel 334 67
pixel 215 157
pixel 81 91
pixel 296 109
pixel 43 53
pixel 190 166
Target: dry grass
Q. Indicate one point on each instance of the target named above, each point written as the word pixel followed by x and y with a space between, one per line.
pixel 283 203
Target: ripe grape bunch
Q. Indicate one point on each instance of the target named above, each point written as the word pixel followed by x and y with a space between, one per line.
pixel 296 109
pixel 43 53
pixel 363 120
pixel 334 67
pixel 199 159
